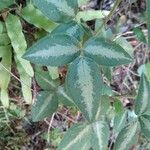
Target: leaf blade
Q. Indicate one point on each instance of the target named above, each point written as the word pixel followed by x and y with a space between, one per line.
pixel 127 137
pixel 143 97
pixel 106 53
pixel 54 50
pixel 45 106
pixel 59 11
pixel 37 18
pixel 83 83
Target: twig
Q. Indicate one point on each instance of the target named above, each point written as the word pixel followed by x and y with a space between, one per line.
pixel 108 17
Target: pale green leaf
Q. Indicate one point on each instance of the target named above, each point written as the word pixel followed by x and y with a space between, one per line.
pixel 53 72
pixel 26 83
pixel 128 136
pixel 5 69
pixel 88 15
pixel 84 85
pixel 82 2
pixel 14 29
pixel 4 97
pixel 37 18
pixel 59 11
pixel 53 50
pixel 105 52
pixel 142 102
pixel 125 45
pixel 45 105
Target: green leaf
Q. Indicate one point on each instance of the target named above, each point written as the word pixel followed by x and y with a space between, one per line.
pixel 63 97
pixel 145 125
pixel 71 28
pixel 144 69
pixel 139 34
pixel 2 27
pixel 5 69
pixel 91 15
pixel 143 98
pixel 53 50
pixel 83 84
pixel 44 80
pixel 83 136
pixel 127 137
pixel 59 11
pixel 125 45
pixel 119 121
pixel 118 106
pixel 53 72
pixel 4 39
pixel 26 83
pixel 106 53
pixel 14 29
pixel 45 105
pixel 103 107
pixel 100 135
pixel 107 72
pixel 37 18
pixel 6 3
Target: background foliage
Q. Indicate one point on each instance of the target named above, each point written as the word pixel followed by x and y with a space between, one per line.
pixel 88 84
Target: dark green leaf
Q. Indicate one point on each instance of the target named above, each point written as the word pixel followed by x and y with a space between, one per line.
pixel 63 97
pixel 45 105
pixel 143 98
pixel 54 50
pixel 145 125
pixel 84 85
pixel 44 80
pixel 58 10
pixel 84 137
pixel 71 28
pixel 26 83
pixel 106 52
pixel 140 35
pixel 127 137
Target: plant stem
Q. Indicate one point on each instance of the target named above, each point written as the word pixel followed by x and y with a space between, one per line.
pixel 108 17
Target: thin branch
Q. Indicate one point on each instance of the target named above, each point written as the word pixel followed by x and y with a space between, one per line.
pixel 108 17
